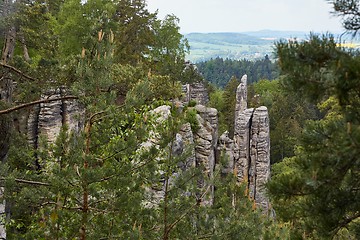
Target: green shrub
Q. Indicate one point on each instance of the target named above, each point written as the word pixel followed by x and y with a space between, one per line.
pixel 192 119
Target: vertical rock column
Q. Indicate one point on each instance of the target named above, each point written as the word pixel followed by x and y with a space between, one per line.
pixel 243 118
pixel 260 156
pixel 187 138
pixel 50 118
pixel 242 144
pixel 33 126
pixel 2 216
pixel 252 146
pixel 205 144
pixel 241 98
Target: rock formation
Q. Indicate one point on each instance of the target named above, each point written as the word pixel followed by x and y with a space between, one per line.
pixel 247 154
pixel 241 98
pixel 47 119
pixel 252 147
pixel 259 156
pixel 2 216
pixel 196 92
pixel 187 147
pixel 242 141
pixel 225 149
pixel 205 140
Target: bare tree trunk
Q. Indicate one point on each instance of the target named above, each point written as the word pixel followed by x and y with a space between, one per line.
pixel 9 46
pixel 6 84
pixel 6 89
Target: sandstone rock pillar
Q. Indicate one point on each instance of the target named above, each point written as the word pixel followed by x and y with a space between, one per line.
pixel 252 146
pixel 242 139
pixel 205 140
pixel 2 216
pixel 260 156
pixel 241 97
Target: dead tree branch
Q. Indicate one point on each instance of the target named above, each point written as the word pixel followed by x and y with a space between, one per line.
pixel 46 100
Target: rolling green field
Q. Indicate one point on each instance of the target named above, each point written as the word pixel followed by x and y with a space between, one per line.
pixel 246 45
pixel 203 51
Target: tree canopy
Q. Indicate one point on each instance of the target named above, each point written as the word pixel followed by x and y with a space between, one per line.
pixel 115 175
pixel 317 189
pixel 219 71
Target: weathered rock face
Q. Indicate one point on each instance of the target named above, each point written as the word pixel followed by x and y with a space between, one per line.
pixel 260 156
pixel 73 115
pixel 252 147
pixel 2 216
pixel 241 98
pixel 247 155
pixel 187 146
pixel 209 115
pixel 47 119
pixel 242 139
pixel 205 144
pixel 50 119
pixel 226 149
pixel 182 145
pixel 197 92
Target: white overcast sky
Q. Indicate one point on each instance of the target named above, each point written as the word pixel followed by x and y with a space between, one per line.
pixel 249 15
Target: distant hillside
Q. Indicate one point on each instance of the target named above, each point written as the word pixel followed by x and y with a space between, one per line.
pixel 277 34
pixel 246 45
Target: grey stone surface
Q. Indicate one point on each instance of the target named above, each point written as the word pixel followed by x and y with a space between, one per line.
pixel 197 92
pixel 73 115
pixel 241 97
pixel 33 125
pixel 2 216
pixel 210 115
pixel 226 150
pixel 252 147
pixel 247 154
pixel 205 145
pixel 46 119
pixel 188 147
pixel 260 155
pixel 50 119
pixel 242 140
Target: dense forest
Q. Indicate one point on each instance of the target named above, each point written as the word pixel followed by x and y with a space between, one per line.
pixel 219 71
pixel 117 62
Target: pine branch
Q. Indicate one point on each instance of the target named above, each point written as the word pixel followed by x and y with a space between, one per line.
pixel 171 226
pixel 47 100
pixel 345 222
pixel 17 71
pixel 28 182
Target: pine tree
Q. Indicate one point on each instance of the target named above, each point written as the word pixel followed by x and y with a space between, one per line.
pixel 316 190
pixel 229 106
